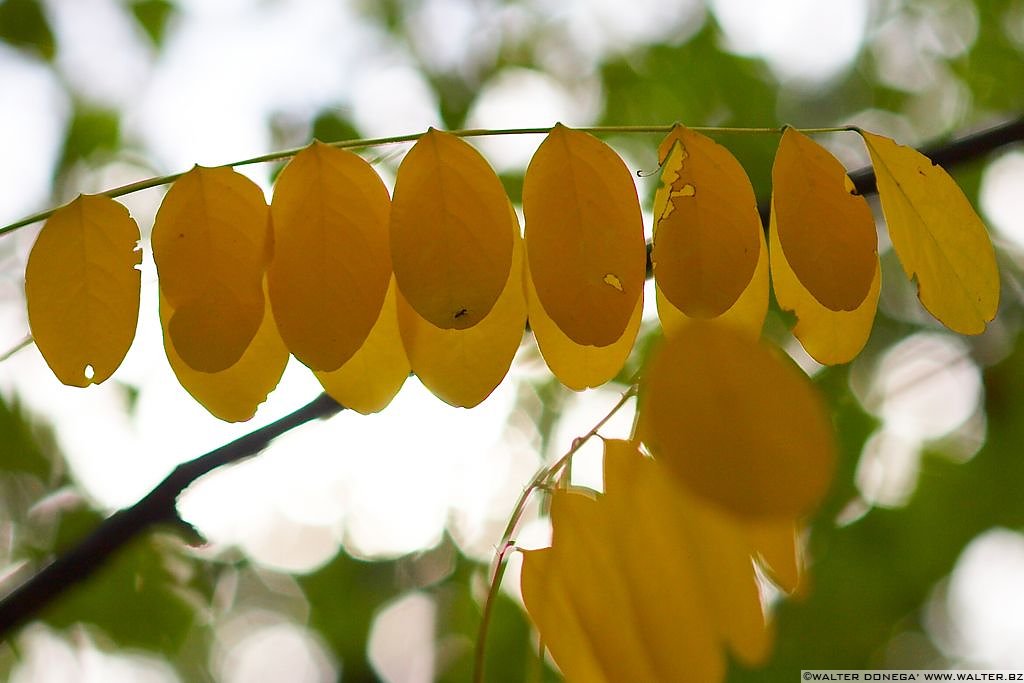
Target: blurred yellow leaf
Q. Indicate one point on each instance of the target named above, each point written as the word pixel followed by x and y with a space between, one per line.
pixel 706 225
pixel 937 235
pixel 368 380
pixel 332 261
pixel 747 313
pixel 578 366
pixel 462 367
pixel 826 232
pixel 82 289
pixel 211 243
pixel 584 236
pixel 737 422
pixel 450 232
pixel 829 337
pixel 774 544
pixel 232 394
pixel 644 582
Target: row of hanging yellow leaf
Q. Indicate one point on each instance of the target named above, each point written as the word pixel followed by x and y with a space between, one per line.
pixel 362 288
pixel 652 579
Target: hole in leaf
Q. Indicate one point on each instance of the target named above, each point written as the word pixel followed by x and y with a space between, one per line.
pixel 612 280
pixel 686 190
pixel 90 372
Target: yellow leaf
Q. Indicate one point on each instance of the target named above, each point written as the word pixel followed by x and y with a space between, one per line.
pixel 584 236
pixel 737 423
pixel 462 367
pixel 232 394
pixel 368 380
pixel 829 337
pixel 450 232
pixel 826 232
pixel 211 244
pixel 747 313
pixel 82 289
pixel 706 225
pixel 937 235
pixel 774 544
pixel 645 582
pixel 578 366
pixel 332 261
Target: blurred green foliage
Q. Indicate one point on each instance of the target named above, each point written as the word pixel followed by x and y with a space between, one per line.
pixel 870 576
pixel 153 16
pixel 23 24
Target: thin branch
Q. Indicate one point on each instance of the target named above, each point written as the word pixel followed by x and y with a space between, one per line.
pixel 543 476
pixel 412 137
pixel 158 507
pixel 24 343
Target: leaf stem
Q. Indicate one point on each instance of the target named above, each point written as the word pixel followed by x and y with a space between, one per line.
pixel 27 341
pixel 541 479
pixel 412 137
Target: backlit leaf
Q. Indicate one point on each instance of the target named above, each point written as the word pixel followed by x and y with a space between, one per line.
pixel 462 367
pixel 937 235
pixel 645 582
pixel 368 380
pixel 235 393
pixel 826 231
pixel 82 289
pixel 737 423
pixel 578 366
pixel 450 232
pixel 828 336
pixel 332 261
pixel 747 313
pixel 584 236
pixel 774 544
pixel 211 243
pixel 706 225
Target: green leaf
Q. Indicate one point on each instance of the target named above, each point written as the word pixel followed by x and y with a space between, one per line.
pixel 24 24
pixel 91 131
pixel 153 16
pixel 141 598
pixel 27 447
pixel 343 598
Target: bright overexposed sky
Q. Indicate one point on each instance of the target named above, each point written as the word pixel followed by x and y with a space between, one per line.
pixel 387 484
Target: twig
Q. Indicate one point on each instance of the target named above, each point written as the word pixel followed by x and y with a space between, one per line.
pixel 158 507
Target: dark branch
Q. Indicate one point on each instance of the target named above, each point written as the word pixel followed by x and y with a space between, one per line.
pixel 159 505
pixel 954 152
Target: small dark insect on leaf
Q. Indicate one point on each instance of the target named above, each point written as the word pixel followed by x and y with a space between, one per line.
pixel 461 312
